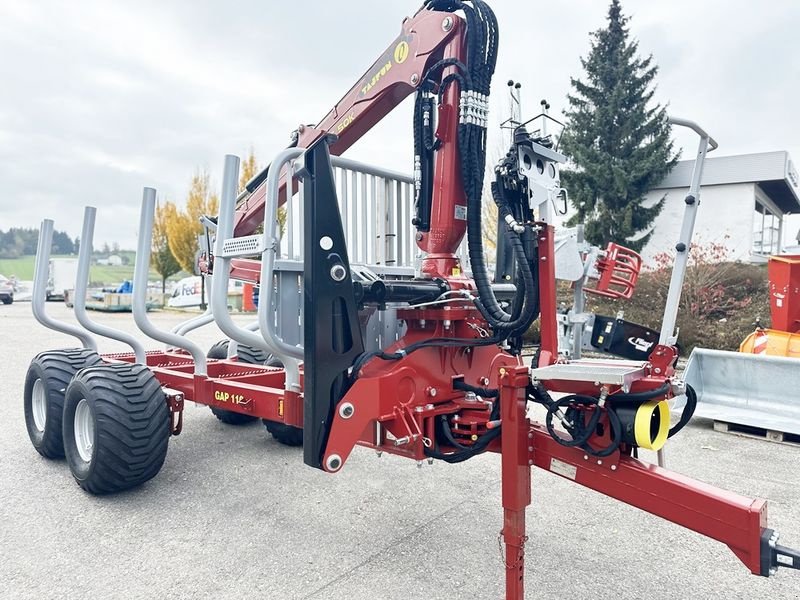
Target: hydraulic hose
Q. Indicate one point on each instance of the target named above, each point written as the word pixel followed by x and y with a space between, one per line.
pixel 688 411
pixel 640 397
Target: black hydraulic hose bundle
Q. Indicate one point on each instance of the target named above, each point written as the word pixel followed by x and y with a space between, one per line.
pixel 475 80
pixel 581 431
pixel 462 451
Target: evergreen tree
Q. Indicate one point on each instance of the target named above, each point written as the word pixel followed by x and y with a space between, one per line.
pixel 617 138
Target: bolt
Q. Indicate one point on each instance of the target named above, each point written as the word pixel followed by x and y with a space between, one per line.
pixel 429 407
pixel 414 79
pixel 432 392
pixel 418 237
pixel 657 370
pixel 334 462
pixel 613 467
pixel 430 461
pixel 530 436
pixel 338 272
pixel 419 464
pixel 447 24
pixel 530 462
pixel 484 381
pixel 530 448
pixel 599 462
pixel 346 410
pixel 585 457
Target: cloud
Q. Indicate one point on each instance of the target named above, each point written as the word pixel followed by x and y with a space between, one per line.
pixel 100 99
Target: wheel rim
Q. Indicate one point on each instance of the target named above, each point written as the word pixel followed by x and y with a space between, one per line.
pixel 39 405
pixel 84 430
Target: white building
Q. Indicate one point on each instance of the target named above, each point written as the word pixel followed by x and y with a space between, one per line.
pixel 744 203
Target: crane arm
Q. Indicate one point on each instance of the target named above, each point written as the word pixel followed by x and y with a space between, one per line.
pixel 397 73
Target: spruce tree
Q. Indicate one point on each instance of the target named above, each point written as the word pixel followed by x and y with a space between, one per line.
pixel 617 138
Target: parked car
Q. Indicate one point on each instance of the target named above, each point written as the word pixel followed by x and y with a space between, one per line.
pixel 7 289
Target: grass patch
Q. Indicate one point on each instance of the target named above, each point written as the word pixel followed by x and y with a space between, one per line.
pixel 99 275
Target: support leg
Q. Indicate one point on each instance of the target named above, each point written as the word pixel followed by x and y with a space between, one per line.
pixel 516 474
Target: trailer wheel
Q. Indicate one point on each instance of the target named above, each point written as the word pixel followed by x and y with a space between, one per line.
pixel 283 433
pixel 246 354
pixel 8 299
pixel 48 376
pixel 116 427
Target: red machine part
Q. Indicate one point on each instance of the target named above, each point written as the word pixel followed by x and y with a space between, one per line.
pixel 619 269
pixel 784 292
pixel 396 405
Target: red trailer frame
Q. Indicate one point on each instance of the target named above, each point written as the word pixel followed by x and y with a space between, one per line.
pixel 394 405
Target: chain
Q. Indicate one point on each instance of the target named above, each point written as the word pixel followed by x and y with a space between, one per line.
pixel 503 559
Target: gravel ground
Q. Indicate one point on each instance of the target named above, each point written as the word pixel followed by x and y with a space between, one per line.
pixel 235 515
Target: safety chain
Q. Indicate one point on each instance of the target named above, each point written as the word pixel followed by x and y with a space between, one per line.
pixel 503 558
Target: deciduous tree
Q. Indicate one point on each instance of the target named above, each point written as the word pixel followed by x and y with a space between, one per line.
pixel 161 257
pixel 183 226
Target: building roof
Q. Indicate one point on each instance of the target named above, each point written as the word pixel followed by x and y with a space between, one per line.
pixel 774 172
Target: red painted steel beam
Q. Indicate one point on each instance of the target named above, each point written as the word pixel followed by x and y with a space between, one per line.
pixel 516 474
pixel 547 296
pixel 729 518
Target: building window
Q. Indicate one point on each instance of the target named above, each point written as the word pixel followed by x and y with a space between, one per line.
pixel 766 231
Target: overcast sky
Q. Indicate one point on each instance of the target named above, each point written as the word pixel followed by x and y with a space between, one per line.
pixel 98 99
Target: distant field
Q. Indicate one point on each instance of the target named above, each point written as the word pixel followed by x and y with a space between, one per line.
pixel 98 274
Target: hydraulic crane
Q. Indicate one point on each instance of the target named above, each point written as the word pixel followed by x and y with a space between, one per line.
pixel 455 384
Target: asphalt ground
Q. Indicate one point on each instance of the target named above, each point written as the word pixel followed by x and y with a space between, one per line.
pixel 233 514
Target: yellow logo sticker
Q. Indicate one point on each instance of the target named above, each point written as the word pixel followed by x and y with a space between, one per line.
pixel 401 52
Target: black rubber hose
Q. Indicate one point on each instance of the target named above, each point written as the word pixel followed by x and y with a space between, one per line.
pixel 462 455
pixel 580 435
pixel 616 430
pixel 688 411
pixel 463 386
pixel 487 302
pixel 639 397
pixel 448 435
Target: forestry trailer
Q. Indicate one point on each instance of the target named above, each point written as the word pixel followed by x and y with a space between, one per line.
pixel 448 382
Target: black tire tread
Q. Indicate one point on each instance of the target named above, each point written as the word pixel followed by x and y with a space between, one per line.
pixel 57 367
pixel 283 433
pixel 132 426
